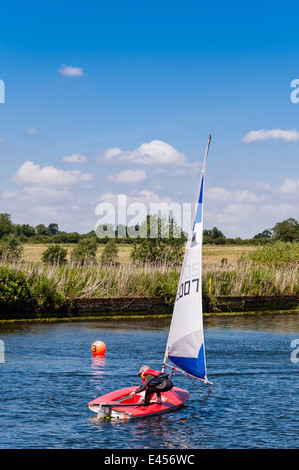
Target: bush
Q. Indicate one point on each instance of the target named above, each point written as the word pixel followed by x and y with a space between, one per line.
pixel 85 251
pixel 14 287
pixel 44 291
pixel 10 248
pixel 6 225
pixel 161 241
pixel 110 253
pixel 55 254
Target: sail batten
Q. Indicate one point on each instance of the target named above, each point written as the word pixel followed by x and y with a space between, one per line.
pixel 185 344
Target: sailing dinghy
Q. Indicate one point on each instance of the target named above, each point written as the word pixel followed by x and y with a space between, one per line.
pixel 185 344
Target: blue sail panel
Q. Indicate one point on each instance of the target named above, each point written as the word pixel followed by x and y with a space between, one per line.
pixel 201 191
pixel 198 217
pixel 192 365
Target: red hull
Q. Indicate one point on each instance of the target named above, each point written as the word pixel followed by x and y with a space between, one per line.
pixel 112 403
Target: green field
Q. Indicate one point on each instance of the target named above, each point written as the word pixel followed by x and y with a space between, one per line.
pixel 211 253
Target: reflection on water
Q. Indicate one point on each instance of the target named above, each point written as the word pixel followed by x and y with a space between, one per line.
pixel 258 321
pixel 169 432
pixel 98 364
pixel 50 375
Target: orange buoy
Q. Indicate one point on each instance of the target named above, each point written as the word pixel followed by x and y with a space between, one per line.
pixel 98 348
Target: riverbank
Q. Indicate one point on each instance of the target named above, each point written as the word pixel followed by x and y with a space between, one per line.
pixel 260 280
pixel 94 308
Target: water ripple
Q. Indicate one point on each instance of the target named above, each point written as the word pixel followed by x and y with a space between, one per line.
pixel 45 387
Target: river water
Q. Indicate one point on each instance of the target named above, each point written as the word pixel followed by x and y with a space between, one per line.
pixel 49 375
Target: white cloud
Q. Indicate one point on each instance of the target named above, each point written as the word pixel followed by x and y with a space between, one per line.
pixel 113 152
pixel 145 196
pixel 9 194
pixel 74 158
pixel 32 131
pixel 128 176
pixel 35 194
pixel 159 153
pixel 248 196
pixel 258 185
pixel 155 154
pixel 2 140
pixel 38 193
pixel 218 194
pixel 290 186
pixel 262 135
pixel 30 173
pixel 56 212
pixel 240 210
pixel 243 212
pixel 278 212
pixel 151 196
pixel 70 71
pixel 221 194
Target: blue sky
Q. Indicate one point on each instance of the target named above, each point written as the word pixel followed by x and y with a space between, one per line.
pixel 107 98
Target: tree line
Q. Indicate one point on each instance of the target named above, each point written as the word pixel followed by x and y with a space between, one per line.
pixel 286 231
pixel 157 239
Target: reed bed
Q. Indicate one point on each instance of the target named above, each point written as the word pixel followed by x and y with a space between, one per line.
pixel 249 278
pixel 53 284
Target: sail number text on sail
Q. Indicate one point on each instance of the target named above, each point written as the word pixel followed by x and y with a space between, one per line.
pixel 192 284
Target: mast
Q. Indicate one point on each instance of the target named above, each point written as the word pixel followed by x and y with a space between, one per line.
pixel 201 185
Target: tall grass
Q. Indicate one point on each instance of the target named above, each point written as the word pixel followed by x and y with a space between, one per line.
pixel 268 270
pixel 279 254
pixel 247 278
pixel 60 282
pixel 259 273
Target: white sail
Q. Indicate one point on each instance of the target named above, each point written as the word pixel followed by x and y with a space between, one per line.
pixel 185 344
